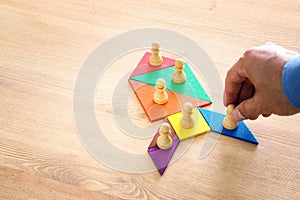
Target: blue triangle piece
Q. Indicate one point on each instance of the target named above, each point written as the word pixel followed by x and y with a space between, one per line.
pixel 215 121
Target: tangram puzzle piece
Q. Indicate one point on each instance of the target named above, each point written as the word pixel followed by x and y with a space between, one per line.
pixel 191 87
pixel 160 157
pixel 154 112
pixel 215 121
pixel 200 126
pixel 144 66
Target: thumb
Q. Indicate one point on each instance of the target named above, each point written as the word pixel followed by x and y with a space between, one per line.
pixel 247 109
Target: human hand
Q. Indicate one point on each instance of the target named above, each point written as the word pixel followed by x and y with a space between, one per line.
pixel 254 83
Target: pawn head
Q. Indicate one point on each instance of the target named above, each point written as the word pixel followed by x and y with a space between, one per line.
pixel 230 108
pixel 187 107
pixel 179 63
pixel 155 46
pixel 160 83
pixel 164 128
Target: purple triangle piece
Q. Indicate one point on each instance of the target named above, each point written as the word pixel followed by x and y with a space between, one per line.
pixel 162 170
pixel 161 158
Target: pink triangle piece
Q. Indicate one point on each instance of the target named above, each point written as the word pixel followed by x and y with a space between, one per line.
pixel 144 67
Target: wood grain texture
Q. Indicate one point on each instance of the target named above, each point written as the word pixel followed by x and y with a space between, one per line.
pixel 42 47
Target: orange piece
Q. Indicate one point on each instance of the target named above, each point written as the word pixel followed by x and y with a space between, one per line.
pixel 154 112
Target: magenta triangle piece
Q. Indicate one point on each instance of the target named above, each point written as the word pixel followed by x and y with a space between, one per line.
pixel 172 134
pixel 144 67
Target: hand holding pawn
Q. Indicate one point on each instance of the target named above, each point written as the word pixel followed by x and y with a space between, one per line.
pixel 229 123
pixel 164 141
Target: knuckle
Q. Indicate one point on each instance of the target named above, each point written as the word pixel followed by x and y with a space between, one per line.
pixel 229 72
pixel 250 52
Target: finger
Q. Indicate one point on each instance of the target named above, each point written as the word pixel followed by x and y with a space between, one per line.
pixel 233 82
pixel 266 115
pixel 248 109
pixel 246 92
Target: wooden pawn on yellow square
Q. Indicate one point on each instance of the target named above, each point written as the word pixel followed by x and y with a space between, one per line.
pixel 200 125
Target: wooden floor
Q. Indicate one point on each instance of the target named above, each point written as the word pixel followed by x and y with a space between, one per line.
pixel 44 43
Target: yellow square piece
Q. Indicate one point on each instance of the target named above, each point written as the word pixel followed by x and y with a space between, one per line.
pixel 200 126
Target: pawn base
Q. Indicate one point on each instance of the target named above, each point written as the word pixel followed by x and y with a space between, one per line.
pixel 163 143
pixel 230 125
pixel 160 100
pixel 155 61
pixel 187 125
pixel 178 78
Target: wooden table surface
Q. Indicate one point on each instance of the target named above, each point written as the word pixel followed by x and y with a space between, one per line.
pixel 43 45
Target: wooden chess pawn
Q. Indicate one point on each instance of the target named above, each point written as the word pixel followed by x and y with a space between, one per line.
pixel 229 123
pixel 187 120
pixel 164 141
pixel 155 59
pixel 160 96
pixel 179 75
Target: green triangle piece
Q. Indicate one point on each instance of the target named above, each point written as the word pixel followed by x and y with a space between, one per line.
pixel 191 87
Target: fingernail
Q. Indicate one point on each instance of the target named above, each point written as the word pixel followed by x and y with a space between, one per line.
pixel 237 115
